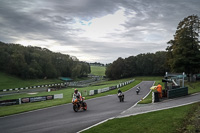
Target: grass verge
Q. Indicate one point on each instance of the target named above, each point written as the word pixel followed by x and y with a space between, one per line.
pixel 153 122
pixel 98 70
pixel 11 82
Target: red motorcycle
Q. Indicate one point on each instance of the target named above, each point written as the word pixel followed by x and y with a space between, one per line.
pixel 79 104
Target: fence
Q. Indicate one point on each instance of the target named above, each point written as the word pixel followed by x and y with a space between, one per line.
pixel 178 92
pixel 93 92
pixel 30 99
pixel 33 87
pixel 172 93
pixel 77 83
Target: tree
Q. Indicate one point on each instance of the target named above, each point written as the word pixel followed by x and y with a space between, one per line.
pixel 143 64
pixel 35 62
pixel 116 69
pixel 184 51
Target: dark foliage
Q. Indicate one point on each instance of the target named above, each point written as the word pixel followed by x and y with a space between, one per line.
pixel 35 62
pixel 184 50
pixel 143 64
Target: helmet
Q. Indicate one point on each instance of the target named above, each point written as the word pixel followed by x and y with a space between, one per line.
pixel 75 91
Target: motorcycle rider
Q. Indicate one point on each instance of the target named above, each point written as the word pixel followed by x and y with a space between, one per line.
pixel 119 91
pixel 138 90
pixel 77 95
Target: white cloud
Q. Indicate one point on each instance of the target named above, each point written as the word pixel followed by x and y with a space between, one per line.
pixel 94 30
pixel 99 29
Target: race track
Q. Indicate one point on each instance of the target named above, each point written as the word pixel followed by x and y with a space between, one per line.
pixel 62 119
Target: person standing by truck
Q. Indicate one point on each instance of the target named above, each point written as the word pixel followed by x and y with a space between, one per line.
pixel 159 90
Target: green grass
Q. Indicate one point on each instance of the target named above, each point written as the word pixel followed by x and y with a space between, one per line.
pixel 11 82
pixel 153 122
pixel 67 94
pixel 7 110
pixel 193 87
pixel 98 70
pixel 150 78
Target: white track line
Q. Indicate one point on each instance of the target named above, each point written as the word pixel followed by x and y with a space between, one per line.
pixel 158 109
pixel 96 124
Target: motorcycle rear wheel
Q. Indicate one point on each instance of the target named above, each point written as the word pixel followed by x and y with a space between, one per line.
pixel 120 98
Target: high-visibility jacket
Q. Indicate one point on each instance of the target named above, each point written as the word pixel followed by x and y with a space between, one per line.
pixel 159 89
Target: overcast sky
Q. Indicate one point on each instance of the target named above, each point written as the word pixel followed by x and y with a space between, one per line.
pixel 94 30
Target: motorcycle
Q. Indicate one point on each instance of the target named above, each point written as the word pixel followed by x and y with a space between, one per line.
pixel 78 104
pixel 121 97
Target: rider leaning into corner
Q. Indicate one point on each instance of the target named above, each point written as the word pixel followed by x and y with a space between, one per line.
pixel 119 91
pixel 77 96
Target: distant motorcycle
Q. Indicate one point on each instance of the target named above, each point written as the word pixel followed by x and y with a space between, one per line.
pixel 78 105
pixel 121 97
pixel 138 90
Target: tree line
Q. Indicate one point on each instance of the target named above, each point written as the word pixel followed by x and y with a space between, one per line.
pixel 182 55
pixel 140 65
pixel 36 62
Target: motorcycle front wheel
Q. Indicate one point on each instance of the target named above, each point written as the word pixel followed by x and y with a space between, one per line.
pixel 75 107
pixel 85 106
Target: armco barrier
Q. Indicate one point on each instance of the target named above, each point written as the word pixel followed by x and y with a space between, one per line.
pixel 16 89
pixel 92 92
pixel 58 96
pixel 178 92
pixel 112 87
pixel 30 99
pixel 105 89
pixel 78 83
pixel 36 99
pixel 99 90
pixel 155 97
pixel 95 91
pixel 9 102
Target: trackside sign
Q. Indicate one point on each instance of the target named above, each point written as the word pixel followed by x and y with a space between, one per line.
pixel 30 99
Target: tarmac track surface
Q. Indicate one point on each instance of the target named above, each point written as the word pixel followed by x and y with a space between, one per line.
pixel 62 119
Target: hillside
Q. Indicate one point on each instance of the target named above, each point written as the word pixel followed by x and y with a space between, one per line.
pixel 98 70
pixel 11 82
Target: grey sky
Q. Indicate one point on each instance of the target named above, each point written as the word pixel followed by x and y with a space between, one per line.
pixel 94 30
